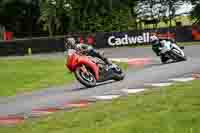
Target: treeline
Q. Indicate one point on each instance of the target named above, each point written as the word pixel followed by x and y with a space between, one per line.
pixel 57 17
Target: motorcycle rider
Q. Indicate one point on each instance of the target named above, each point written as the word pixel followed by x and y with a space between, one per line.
pixel 89 50
pixel 156 45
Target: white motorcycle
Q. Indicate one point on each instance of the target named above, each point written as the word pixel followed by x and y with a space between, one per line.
pixel 172 51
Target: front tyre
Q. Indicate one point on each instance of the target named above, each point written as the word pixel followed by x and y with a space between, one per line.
pixel 119 77
pixel 85 78
pixel 179 56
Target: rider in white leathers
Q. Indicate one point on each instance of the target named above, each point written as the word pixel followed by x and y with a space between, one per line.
pixel 160 47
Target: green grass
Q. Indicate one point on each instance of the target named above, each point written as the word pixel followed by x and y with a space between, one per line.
pixel 188 43
pixel 171 110
pixel 27 74
pixel 185 20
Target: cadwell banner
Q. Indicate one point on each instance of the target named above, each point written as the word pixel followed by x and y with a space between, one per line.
pixel 113 39
pixel 127 39
pixel 122 39
pixel 116 39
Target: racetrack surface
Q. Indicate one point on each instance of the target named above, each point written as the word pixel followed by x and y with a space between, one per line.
pixel 58 96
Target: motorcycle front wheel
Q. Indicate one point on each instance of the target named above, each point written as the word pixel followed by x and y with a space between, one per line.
pixel 118 74
pixel 119 77
pixel 85 78
pixel 179 56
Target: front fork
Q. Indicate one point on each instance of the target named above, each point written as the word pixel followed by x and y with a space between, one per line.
pixel 180 50
pixel 84 69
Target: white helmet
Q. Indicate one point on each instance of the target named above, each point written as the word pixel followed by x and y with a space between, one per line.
pixel 154 38
pixel 70 42
pixel 163 42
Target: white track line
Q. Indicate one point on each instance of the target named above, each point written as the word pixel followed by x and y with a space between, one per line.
pixel 119 59
pixel 161 84
pixel 132 91
pixel 106 97
pixel 182 79
pixel 39 113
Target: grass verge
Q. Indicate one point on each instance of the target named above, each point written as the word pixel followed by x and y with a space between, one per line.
pixel 171 110
pixel 188 43
pixel 27 74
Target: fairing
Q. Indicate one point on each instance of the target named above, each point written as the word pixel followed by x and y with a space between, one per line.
pixel 74 60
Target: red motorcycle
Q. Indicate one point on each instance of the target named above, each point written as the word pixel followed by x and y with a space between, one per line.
pixel 89 70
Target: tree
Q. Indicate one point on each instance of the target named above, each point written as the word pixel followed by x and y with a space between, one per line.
pixel 173 6
pixel 52 12
pixel 100 15
pixel 149 10
pixel 196 10
pixel 18 15
pixel 90 10
pixel 61 16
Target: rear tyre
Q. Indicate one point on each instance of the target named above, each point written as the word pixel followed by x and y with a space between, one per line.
pixel 164 59
pixel 184 58
pixel 87 80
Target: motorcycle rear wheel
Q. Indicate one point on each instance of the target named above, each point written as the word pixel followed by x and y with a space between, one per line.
pixel 164 59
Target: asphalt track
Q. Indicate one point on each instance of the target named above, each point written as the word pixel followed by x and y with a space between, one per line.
pixel 59 96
